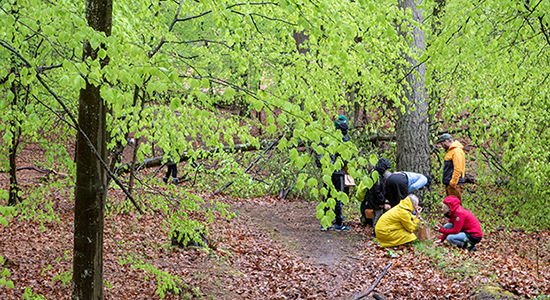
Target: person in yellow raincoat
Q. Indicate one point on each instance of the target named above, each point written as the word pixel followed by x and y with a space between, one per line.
pixel 396 226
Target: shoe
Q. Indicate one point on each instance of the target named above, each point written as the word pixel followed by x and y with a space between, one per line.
pixel 328 228
pixel 472 248
pixel 341 227
pixel 344 218
pixel 165 179
pixel 175 181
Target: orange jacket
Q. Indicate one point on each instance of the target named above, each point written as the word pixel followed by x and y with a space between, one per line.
pixel 454 165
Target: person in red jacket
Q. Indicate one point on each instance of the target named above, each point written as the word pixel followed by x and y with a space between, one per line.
pixel 463 228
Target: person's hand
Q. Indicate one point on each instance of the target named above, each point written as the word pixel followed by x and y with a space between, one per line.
pixel 438 242
pixel 418 210
pixel 437 227
pixel 387 207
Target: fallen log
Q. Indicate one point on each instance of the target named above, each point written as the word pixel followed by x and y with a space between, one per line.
pixel 157 161
pixel 44 171
pixel 367 292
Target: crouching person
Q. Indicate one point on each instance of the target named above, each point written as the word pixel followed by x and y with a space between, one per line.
pixel 463 229
pixel 396 227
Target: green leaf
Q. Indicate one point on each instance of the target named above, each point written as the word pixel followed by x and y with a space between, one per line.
pixel 293 154
pixel 373 159
pixel 300 184
pixel 229 93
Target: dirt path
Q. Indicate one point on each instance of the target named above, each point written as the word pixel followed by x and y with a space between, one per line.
pixel 297 227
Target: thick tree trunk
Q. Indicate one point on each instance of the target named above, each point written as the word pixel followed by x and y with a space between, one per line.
pixel 412 127
pixel 91 177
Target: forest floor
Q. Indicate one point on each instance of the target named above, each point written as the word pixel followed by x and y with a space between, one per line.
pixel 270 249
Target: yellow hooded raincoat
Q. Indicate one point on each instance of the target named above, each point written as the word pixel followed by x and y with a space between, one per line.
pixel 396 226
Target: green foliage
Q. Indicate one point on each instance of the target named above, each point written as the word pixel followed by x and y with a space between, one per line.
pixel 29 295
pixel 189 87
pixel 449 260
pixel 4 275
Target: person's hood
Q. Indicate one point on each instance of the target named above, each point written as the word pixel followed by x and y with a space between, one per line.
pixel 456 144
pixel 406 204
pixel 452 201
pixel 382 165
pixel 343 127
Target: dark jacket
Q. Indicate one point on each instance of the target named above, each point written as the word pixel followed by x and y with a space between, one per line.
pixel 462 219
pixel 454 165
pixel 345 138
pixel 376 195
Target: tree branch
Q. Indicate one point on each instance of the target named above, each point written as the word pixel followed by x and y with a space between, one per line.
pixel 365 293
pixel 94 150
pixel 250 165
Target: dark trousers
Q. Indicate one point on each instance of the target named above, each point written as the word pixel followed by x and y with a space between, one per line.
pixel 397 188
pixel 338 182
pixel 173 169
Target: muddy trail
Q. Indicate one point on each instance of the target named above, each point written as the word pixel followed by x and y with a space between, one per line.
pixel 295 225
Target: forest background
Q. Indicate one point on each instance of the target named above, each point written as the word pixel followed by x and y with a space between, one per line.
pixel 223 85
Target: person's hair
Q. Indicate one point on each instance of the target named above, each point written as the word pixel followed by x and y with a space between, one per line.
pixel 414 199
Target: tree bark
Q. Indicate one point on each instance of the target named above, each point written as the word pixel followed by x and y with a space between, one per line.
pixel 132 167
pixel 91 176
pixel 412 127
pixel 14 186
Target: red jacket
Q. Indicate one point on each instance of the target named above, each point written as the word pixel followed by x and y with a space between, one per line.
pixel 463 220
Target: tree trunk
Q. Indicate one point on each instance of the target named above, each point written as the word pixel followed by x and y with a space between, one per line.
pixel 91 177
pixel 132 167
pixel 14 186
pixel 412 127
pixel 15 128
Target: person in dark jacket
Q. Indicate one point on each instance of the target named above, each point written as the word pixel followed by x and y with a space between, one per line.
pixel 337 177
pixel 463 229
pixel 375 196
pixel 401 184
pixel 172 166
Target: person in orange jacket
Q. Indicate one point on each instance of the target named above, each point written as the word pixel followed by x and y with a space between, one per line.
pixel 454 165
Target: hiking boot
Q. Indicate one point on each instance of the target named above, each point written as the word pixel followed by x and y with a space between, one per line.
pixel 327 228
pixel 165 180
pixel 472 248
pixel 341 227
pixel 175 181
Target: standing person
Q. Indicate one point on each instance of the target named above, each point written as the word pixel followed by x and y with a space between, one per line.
pixel 401 184
pixel 463 229
pixel 374 198
pixel 173 170
pixel 172 167
pixel 454 165
pixel 340 124
pixel 396 227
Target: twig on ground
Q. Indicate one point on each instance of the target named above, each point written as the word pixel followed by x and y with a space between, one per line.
pixel 365 293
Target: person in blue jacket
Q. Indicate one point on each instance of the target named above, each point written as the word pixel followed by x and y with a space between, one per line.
pixel 401 184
